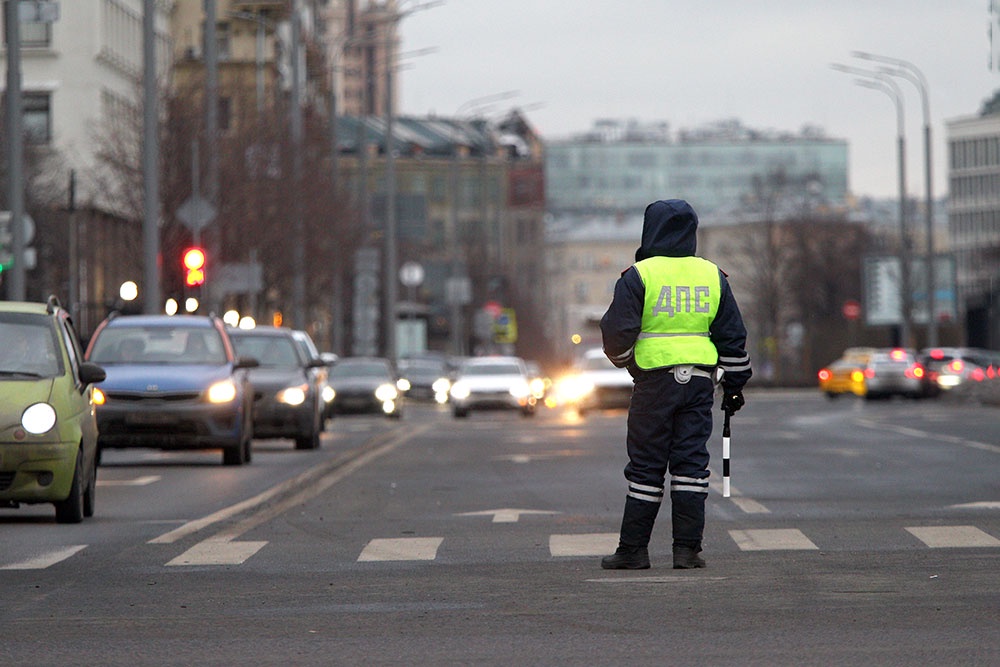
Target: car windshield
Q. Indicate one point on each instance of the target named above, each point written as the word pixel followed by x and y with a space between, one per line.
pixel 422 369
pixel 159 345
pixel 368 369
pixel 270 351
pixel 492 368
pixel 28 346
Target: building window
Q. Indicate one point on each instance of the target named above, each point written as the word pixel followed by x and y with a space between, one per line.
pixel 33 34
pixel 37 117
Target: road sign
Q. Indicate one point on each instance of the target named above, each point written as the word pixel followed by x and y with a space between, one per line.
pixel 411 274
pixel 7 234
pixel 196 213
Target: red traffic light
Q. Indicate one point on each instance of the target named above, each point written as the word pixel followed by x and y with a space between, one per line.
pixel 193 260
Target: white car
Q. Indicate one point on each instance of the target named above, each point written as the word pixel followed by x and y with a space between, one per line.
pixel 596 384
pixel 492 383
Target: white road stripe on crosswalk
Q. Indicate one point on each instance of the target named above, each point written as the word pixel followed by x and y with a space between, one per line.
pixel 774 539
pixel 953 536
pixel 47 559
pixel 588 544
pixel 218 552
pixel 401 548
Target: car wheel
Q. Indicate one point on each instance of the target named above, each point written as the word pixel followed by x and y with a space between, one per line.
pixel 71 509
pixel 240 453
pixel 310 440
pixel 460 413
pixel 90 497
pixel 527 412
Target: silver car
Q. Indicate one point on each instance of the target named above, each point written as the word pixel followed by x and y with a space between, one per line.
pixel 492 383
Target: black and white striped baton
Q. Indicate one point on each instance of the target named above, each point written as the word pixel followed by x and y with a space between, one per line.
pixel 725 454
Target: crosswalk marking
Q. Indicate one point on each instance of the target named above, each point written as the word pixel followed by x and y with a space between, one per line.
pixel 953 536
pixel 47 559
pixel 589 544
pixel 401 548
pixel 774 539
pixel 218 552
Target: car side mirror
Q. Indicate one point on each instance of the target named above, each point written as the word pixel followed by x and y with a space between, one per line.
pixel 246 362
pixel 91 373
pixel 316 363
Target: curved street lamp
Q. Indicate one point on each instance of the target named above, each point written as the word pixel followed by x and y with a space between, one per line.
pixel 884 83
pixel 911 73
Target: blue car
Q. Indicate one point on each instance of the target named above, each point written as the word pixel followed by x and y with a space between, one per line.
pixel 173 382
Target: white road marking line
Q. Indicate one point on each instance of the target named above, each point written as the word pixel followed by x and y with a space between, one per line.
pixel 328 475
pixel 928 435
pixel 938 537
pixel 506 515
pixel 981 505
pixel 46 559
pixel 662 579
pixel 217 552
pixel 589 544
pixel 773 539
pixel 401 548
pixel 749 505
pixel 138 481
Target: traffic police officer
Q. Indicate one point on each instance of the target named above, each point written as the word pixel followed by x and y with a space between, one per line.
pixel 675 325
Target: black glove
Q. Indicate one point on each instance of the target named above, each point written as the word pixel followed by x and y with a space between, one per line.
pixel 732 400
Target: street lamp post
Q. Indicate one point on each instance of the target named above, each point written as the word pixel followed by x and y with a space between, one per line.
pixel 882 82
pixel 911 73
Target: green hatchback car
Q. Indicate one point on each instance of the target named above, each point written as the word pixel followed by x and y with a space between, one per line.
pixel 48 426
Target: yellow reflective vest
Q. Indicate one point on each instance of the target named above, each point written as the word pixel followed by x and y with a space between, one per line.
pixel 682 298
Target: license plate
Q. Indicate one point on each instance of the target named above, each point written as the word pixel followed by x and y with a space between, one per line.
pixel 150 419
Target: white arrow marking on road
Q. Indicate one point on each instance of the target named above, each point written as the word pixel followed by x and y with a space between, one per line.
pixel 138 481
pixel 506 515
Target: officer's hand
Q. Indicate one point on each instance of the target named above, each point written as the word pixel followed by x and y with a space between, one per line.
pixel 732 401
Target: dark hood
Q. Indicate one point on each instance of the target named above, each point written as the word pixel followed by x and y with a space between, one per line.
pixel 668 230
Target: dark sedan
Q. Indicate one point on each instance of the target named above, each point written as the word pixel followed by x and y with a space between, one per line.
pixel 173 382
pixel 288 401
pixel 364 385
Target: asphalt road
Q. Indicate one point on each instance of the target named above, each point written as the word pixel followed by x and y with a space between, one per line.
pixel 857 533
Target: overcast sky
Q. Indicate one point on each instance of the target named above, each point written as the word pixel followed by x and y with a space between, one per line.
pixel 691 62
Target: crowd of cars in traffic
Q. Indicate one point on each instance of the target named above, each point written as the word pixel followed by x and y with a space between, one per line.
pixel 192 382
pixel 176 382
pixel 873 373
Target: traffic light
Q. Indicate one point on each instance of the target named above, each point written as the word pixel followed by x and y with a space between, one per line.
pixel 194 266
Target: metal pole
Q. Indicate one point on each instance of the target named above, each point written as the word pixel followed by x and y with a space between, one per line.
pixel 150 164
pixel 15 150
pixel 391 288
pixel 214 240
pixel 74 251
pixel 299 234
pixel 912 73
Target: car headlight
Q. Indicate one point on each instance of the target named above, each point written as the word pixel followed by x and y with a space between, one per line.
pixel 38 418
pixel 223 391
pixel 386 392
pixel 460 390
pixel 328 394
pixel 520 389
pixel 293 395
pixel 573 388
pixel 441 386
pixel 403 384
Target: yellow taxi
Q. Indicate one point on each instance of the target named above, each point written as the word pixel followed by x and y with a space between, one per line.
pixel 847 374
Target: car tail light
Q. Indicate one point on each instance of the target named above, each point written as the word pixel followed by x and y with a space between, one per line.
pixel 978 375
pixel 824 375
pixel 915 371
pixel 869 373
pixel 898 355
pixel 937 354
pixel 956 366
pixel 991 372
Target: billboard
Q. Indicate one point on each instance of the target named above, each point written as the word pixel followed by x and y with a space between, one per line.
pixel 882 282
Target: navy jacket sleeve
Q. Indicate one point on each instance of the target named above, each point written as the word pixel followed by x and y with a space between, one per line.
pixel 622 322
pixel 729 335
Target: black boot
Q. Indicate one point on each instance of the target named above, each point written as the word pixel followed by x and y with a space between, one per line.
pixel 637 526
pixel 688 517
pixel 627 558
pixel 687 558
